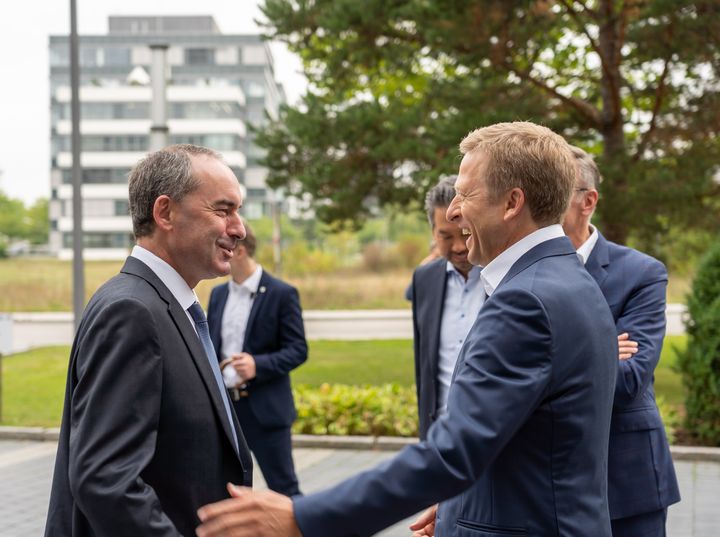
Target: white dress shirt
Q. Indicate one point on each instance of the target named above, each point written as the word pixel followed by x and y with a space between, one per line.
pixel 586 247
pixel 237 313
pixel 498 268
pixel 175 283
pixel 463 300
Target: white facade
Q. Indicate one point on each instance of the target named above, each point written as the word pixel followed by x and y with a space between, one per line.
pixel 217 83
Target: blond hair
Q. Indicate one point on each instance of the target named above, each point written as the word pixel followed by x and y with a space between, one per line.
pixel 529 157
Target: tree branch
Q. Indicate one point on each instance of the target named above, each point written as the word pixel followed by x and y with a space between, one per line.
pixel 659 95
pixel 588 111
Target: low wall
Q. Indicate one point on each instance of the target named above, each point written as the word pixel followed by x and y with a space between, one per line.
pixel 22 331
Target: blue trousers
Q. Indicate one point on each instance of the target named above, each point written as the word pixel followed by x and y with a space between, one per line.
pixel 645 525
pixel 272 448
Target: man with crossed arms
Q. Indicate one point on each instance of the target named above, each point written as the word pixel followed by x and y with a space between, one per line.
pixel 641 476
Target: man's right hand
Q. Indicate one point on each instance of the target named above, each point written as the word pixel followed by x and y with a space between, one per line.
pixel 424 526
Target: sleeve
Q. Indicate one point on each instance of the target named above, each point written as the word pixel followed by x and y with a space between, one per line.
pixel 292 346
pixel 503 374
pixel 643 318
pixel 114 416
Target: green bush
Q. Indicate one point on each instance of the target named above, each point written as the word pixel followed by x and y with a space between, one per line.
pixel 670 418
pixel 388 410
pixel 699 364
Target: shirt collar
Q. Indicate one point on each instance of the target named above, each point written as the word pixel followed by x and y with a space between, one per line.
pixel 250 284
pixel 586 248
pixel 498 268
pixel 175 283
pixel 472 273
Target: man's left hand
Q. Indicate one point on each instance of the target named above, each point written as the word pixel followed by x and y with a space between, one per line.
pixel 249 513
pixel 626 346
pixel 244 364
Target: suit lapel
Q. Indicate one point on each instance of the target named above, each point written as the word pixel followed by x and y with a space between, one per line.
pixel 598 261
pixel 189 336
pixel 438 297
pixel 256 306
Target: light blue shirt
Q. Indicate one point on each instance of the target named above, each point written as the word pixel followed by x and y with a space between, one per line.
pixel 463 300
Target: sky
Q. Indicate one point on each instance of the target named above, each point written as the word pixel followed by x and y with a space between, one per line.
pixel 24 82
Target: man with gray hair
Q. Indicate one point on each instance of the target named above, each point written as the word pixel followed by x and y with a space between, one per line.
pixel 446 298
pixel 641 477
pixel 148 434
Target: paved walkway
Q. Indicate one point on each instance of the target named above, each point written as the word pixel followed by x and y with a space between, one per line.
pixel 26 472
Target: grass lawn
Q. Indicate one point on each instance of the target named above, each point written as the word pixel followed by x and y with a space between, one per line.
pixel 46 285
pixel 34 381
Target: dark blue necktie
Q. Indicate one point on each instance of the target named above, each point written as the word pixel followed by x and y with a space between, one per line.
pixel 201 324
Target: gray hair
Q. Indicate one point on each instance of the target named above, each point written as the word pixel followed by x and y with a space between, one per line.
pixel 589 176
pixel 165 172
pixel 439 197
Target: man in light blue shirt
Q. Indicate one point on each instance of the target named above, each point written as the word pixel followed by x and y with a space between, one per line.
pixel 446 298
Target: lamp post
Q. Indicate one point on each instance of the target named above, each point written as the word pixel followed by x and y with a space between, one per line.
pixel 78 267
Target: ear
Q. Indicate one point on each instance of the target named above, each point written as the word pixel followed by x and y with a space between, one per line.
pixel 514 203
pixel 162 212
pixel 590 201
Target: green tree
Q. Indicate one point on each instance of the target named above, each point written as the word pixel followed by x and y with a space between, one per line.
pixel 395 84
pixel 13 222
pixel 37 222
pixel 699 364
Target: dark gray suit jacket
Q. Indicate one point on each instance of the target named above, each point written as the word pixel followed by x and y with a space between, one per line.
pixel 427 293
pixel 145 439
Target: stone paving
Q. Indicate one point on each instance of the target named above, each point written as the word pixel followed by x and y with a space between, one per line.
pixel 26 473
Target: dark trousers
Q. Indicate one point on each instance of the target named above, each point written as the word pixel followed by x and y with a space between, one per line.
pixel 645 525
pixel 272 448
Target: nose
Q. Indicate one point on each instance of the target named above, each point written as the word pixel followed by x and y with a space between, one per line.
pixel 236 228
pixel 453 211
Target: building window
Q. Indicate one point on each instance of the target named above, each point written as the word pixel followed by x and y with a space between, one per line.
pixel 218 142
pixel 122 208
pixel 254 55
pixel 199 56
pixel 101 240
pixel 88 57
pixel 117 56
pixel 60 55
pixel 212 110
pixel 99 176
pixel 108 143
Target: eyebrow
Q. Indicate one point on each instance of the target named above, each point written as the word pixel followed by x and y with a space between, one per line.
pixel 225 203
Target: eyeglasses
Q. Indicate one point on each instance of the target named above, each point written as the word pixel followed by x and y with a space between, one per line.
pixel 581 189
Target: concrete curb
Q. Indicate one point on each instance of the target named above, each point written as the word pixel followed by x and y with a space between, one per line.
pixel 378 443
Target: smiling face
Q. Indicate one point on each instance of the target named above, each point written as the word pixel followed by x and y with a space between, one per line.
pixel 205 223
pixel 480 219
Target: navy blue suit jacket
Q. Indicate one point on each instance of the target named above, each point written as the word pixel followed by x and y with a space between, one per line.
pixel 641 474
pixel 427 292
pixel 522 449
pixel 275 337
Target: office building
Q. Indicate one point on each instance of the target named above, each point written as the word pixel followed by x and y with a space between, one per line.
pixel 217 85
